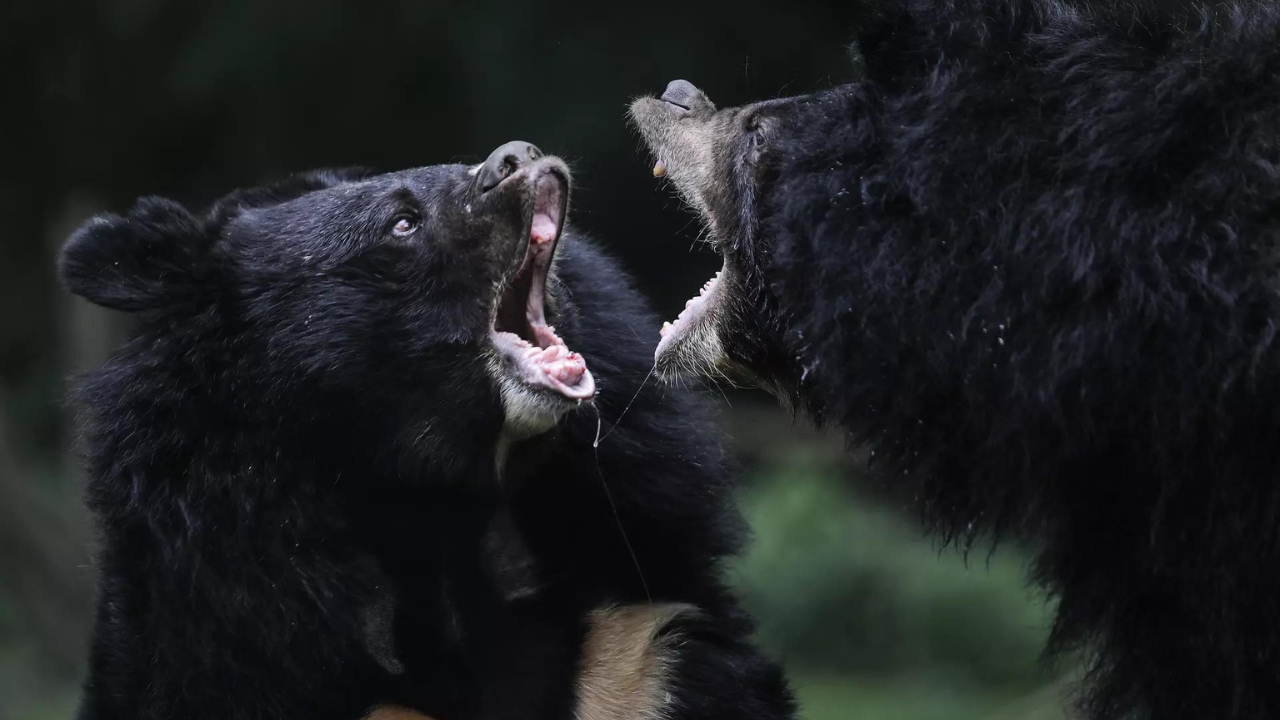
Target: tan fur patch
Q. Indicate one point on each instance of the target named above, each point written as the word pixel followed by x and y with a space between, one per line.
pixel 623 673
pixel 393 712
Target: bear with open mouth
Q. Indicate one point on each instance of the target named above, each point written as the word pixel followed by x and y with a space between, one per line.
pixel 348 461
pixel 1032 259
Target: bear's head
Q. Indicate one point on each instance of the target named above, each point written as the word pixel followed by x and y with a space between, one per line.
pixel 720 163
pixel 399 310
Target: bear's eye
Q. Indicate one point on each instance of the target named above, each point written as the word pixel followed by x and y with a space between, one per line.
pixel 405 225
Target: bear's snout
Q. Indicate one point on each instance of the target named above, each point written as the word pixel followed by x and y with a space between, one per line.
pixel 682 94
pixel 504 162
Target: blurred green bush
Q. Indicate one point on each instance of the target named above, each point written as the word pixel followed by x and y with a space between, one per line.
pixel 875 620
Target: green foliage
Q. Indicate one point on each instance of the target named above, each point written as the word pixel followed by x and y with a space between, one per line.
pixel 870 615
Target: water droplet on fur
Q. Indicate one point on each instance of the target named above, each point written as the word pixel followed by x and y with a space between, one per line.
pixel 468 207
pixel 1000 340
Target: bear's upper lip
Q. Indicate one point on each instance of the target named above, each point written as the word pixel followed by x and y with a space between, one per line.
pixel 537 355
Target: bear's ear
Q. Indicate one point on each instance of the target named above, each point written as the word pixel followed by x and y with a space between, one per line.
pixel 146 260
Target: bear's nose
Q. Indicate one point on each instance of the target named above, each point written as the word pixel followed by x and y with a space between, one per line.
pixel 504 161
pixel 680 93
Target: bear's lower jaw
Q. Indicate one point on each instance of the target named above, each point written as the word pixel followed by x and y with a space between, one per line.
pixel 531 410
pixel 548 366
pixel 539 382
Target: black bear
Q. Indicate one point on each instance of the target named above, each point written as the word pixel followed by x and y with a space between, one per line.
pixel 1032 258
pixel 346 462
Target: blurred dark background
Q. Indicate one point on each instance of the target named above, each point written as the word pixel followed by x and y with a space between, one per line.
pixel 110 100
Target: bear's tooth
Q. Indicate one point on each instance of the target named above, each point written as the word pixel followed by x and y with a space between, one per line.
pixel 659 169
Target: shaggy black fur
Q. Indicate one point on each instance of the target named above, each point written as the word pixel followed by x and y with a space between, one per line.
pixel 292 464
pixel 1033 260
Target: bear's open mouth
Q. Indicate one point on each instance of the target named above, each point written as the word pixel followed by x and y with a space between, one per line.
pixel 537 355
